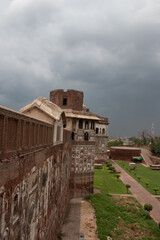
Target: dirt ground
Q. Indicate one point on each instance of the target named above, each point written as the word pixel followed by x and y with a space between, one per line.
pixel 80 222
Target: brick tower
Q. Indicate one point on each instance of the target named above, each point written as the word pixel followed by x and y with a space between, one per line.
pixel 72 99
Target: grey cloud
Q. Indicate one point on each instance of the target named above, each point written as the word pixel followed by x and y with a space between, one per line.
pixel 108 49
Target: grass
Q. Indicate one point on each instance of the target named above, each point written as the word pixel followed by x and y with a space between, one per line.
pixel 122 218
pixel 107 182
pixel 145 174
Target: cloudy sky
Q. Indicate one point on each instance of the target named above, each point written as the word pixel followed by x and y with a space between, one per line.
pixel 110 50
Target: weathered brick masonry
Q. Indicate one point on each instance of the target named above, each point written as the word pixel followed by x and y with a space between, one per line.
pixel 82 174
pixel 44 164
pixel 34 178
pixel 124 153
pixel 71 99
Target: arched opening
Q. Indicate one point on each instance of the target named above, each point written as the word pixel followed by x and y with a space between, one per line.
pixel 97 130
pixel 86 135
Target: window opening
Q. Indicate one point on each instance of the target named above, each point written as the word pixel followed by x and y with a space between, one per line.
pixel 80 124
pixel 92 125
pixel 64 101
pixel 58 138
pixel 87 125
pixel 86 136
pixel 97 130
pixel 72 135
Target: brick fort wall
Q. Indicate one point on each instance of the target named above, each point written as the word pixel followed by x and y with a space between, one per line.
pixel 35 178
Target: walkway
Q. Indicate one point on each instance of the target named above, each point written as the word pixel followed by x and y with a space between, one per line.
pixel 145 153
pixel 140 193
pixel 80 222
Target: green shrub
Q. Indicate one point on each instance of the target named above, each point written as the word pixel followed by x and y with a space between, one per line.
pixel 148 207
pixel 117 176
pixel 127 187
pixel 139 178
pixel 147 183
pixel 156 190
pixel 108 164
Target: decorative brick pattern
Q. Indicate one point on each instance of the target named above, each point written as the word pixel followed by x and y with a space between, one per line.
pixel 32 202
pixel 82 171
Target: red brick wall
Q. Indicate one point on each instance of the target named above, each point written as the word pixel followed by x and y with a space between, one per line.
pixel 74 99
pixel 37 178
pixel 19 133
pixel 34 178
pixel 124 153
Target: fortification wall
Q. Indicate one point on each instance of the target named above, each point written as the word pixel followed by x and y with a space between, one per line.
pixel 124 153
pixel 35 178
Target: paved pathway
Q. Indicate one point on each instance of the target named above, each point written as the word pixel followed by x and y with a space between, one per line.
pixel 140 193
pixel 145 154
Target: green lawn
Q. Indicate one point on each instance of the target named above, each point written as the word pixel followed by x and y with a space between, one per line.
pixel 107 182
pixel 146 174
pixel 122 219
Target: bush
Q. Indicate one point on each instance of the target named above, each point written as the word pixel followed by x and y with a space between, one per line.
pixel 108 164
pixel 127 186
pixel 139 178
pixel 156 190
pixel 118 176
pixel 148 207
pixel 147 183
pixel 112 169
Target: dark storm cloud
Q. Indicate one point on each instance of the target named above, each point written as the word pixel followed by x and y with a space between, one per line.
pixel 108 49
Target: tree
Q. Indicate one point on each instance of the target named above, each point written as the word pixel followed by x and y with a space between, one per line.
pixel 155 146
pixel 127 187
pixel 144 137
pixel 115 143
pixel 136 141
pixel 148 207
